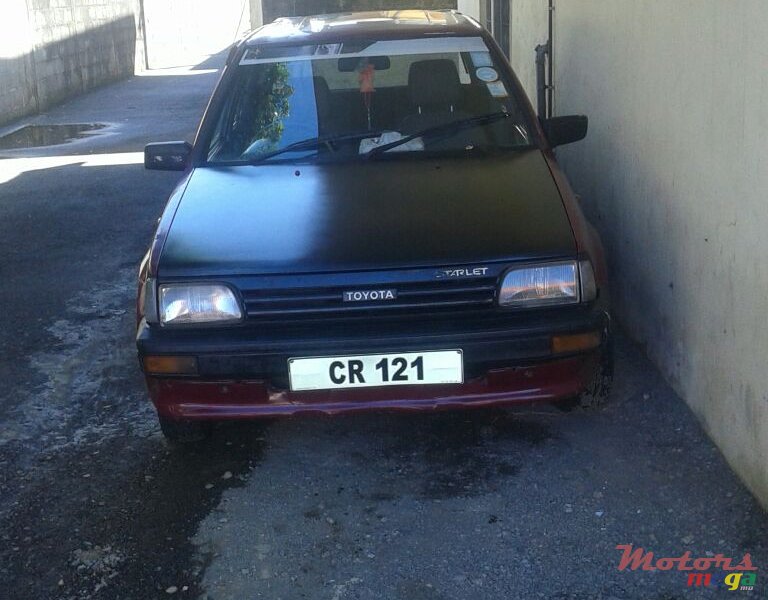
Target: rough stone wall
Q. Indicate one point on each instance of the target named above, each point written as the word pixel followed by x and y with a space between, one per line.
pixel 16 67
pixel 55 49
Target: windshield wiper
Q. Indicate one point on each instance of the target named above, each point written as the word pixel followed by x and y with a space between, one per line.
pixel 443 128
pixel 315 142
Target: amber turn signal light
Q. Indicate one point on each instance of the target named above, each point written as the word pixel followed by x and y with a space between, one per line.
pixel 170 365
pixel 575 343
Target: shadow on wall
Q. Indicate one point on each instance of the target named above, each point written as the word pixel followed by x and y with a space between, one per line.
pixel 292 8
pixel 61 69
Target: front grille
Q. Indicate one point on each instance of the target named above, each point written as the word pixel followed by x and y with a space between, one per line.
pixel 412 297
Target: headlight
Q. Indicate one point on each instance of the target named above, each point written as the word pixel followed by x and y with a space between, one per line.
pixel 182 304
pixel 540 285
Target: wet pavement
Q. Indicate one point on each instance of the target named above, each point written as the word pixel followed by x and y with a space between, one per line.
pixel 525 503
pixel 35 136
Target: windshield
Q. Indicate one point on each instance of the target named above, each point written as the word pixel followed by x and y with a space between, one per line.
pixel 336 102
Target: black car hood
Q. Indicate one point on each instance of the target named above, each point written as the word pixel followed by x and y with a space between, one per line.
pixel 281 219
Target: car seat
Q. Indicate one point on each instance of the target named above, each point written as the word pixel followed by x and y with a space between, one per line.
pixel 435 93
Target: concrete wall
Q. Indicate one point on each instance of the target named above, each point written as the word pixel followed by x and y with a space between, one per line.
pixel 51 50
pixel 674 173
pixel 184 32
pixel 16 66
pixel 528 29
pixel 469 7
pixel 54 49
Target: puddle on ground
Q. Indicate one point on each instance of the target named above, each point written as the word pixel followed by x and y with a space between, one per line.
pixel 33 136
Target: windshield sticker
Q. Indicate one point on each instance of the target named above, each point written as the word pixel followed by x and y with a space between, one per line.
pixel 481 59
pixel 272 54
pixel 487 74
pixel 497 89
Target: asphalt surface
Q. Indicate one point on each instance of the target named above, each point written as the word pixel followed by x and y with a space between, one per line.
pixel 527 503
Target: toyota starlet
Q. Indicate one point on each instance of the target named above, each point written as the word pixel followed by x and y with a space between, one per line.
pixel 371 218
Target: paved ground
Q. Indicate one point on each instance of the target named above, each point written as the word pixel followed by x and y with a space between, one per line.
pixel 489 504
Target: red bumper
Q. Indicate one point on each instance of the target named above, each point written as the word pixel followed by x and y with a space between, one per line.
pixel 197 399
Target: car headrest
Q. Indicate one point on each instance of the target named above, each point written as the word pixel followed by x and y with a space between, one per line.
pixel 434 82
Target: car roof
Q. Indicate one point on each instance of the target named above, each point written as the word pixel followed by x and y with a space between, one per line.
pixel 379 25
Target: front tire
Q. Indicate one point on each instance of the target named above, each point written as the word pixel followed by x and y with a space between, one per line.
pixel 598 392
pixel 183 431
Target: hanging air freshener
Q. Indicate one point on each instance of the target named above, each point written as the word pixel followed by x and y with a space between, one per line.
pixel 366 87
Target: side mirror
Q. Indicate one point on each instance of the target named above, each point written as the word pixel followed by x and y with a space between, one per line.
pixel 167 156
pixel 565 130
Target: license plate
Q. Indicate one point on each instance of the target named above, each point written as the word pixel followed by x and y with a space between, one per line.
pixel 376 370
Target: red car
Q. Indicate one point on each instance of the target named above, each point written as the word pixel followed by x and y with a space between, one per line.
pixel 371 218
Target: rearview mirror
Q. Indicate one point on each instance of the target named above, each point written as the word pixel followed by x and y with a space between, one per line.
pixel 352 63
pixel 167 156
pixel 565 130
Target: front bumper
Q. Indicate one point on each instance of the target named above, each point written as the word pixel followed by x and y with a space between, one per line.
pixel 243 373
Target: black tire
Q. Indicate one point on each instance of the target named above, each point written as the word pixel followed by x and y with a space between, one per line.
pixel 598 392
pixel 182 431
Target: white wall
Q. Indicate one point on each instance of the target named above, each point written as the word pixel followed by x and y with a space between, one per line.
pixel 528 29
pixel 185 32
pixel 469 7
pixel 18 89
pixel 50 51
pixel 674 172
